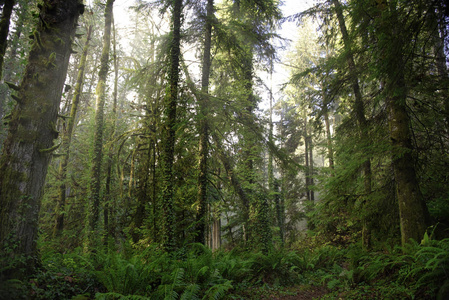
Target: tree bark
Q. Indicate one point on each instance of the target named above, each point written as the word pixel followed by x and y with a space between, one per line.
pixel 311 172
pixel 440 60
pixel 171 99
pixel 204 128
pixel 28 147
pixel 413 212
pixel 109 203
pixel 306 156
pixel 4 30
pixel 67 139
pixel 99 120
pixel 330 151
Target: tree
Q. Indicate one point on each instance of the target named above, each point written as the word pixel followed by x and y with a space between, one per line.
pixel 99 119
pixel 109 203
pixel 169 136
pixel 67 138
pixel 4 29
pixel 204 127
pixel 393 48
pixel 359 108
pixel 255 21
pixel 29 145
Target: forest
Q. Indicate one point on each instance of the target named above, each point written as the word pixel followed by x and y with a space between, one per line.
pixel 182 149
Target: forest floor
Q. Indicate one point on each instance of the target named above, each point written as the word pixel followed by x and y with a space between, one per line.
pixel 301 292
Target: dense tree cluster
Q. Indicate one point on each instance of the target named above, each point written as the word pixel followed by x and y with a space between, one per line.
pixel 153 135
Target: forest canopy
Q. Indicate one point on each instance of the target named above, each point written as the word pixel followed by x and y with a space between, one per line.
pixel 224 149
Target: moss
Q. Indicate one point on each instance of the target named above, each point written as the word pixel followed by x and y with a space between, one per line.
pixel 51 149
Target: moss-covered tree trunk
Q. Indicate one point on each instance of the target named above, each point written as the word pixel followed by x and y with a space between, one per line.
pixel 413 211
pixel 168 146
pixel 4 30
pixel 109 203
pixel 29 145
pixel 99 120
pixel 204 128
pixel 67 139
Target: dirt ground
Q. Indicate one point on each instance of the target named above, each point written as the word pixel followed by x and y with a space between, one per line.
pixel 299 293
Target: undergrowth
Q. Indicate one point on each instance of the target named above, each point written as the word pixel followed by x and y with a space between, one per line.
pixel 419 271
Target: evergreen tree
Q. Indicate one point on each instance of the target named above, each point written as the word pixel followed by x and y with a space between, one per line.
pixel 169 137
pixel 204 127
pixel 67 138
pixel 99 121
pixel 29 144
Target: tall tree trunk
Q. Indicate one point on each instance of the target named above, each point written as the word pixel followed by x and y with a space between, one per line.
pixel 359 109
pixel 204 128
pixel 67 139
pixel 306 156
pixel 28 147
pixel 413 212
pixel 109 198
pixel 279 209
pixel 216 221
pixel 248 148
pixel 22 14
pixel 4 30
pixel 171 99
pixel 311 172
pixel 440 60
pixel 330 151
pixel 99 120
pixel 273 185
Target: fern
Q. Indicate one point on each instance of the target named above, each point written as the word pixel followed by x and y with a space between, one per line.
pixel 118 296
pixel 218 291
pixel 191 292
pixel 168 291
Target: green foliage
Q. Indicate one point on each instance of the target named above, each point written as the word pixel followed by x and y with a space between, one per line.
pixel 415 272
pixel 12 289
pixel 158 275
pixel 276 267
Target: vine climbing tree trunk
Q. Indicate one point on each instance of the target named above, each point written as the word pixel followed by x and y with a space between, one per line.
pixel 204 128
pixel 29 145
pixel 171 99
pixel 99 120
pixel 109 197
pixel 67 139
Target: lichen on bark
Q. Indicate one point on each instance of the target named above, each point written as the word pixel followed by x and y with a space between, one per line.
pixel 23 166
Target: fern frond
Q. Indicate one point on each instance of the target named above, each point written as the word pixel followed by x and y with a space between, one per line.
pixel 218 291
